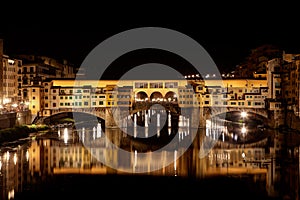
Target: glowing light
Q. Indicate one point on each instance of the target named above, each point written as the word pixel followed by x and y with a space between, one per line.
pixel 135 158
pixel 94 132
pixel 243 114
pixel 6 156
pixel 11 194
pixel 27 155
pixel 99 130
pixel 11 62
pixel 175 158
pixel 66 135
pixel 15 158
pixel 243 155
pixel 6 100
pixel 169 119
pixel 244 130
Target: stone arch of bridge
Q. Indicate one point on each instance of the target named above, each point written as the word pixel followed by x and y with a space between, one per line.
pixel 84 116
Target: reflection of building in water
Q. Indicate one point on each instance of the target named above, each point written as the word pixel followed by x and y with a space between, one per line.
pixel 48 156
pixel 236 158
pixel 13 164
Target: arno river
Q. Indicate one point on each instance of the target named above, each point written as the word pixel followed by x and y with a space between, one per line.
pixel 89 161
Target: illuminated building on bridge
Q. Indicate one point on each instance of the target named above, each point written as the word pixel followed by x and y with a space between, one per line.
pixel 67 95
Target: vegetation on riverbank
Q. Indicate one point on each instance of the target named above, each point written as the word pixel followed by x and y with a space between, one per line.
pixel 18 132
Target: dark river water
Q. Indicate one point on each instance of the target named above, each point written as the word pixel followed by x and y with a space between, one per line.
pixel 89 161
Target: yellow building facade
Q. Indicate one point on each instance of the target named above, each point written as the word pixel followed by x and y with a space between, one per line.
pixel 62 95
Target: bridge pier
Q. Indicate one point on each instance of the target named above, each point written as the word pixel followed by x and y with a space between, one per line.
pixel 109 118
pixel 114 116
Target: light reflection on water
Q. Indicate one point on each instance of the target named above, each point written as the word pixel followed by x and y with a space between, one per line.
pixel 89 151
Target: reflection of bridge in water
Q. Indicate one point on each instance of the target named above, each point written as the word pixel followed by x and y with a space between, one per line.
pixel 144 149
pixel 97 150
pixel 146 128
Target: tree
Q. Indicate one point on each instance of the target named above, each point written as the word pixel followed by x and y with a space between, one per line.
pixel 257 60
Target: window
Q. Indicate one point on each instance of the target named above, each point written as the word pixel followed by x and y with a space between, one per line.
pixel 171 85
pixel 141 85
pixel 156 85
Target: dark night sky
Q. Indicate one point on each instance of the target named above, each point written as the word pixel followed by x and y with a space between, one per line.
pixel 227 40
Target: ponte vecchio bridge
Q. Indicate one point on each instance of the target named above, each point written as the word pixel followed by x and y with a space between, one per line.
pixel 105 98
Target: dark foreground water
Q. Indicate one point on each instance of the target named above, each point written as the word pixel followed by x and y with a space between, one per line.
pixel 140 187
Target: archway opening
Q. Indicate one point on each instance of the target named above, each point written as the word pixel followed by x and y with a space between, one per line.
pixel 156 97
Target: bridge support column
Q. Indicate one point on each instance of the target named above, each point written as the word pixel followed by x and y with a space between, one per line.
pixel 109 118
pixel 115 116
pixel 196 116
pixel 204 115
